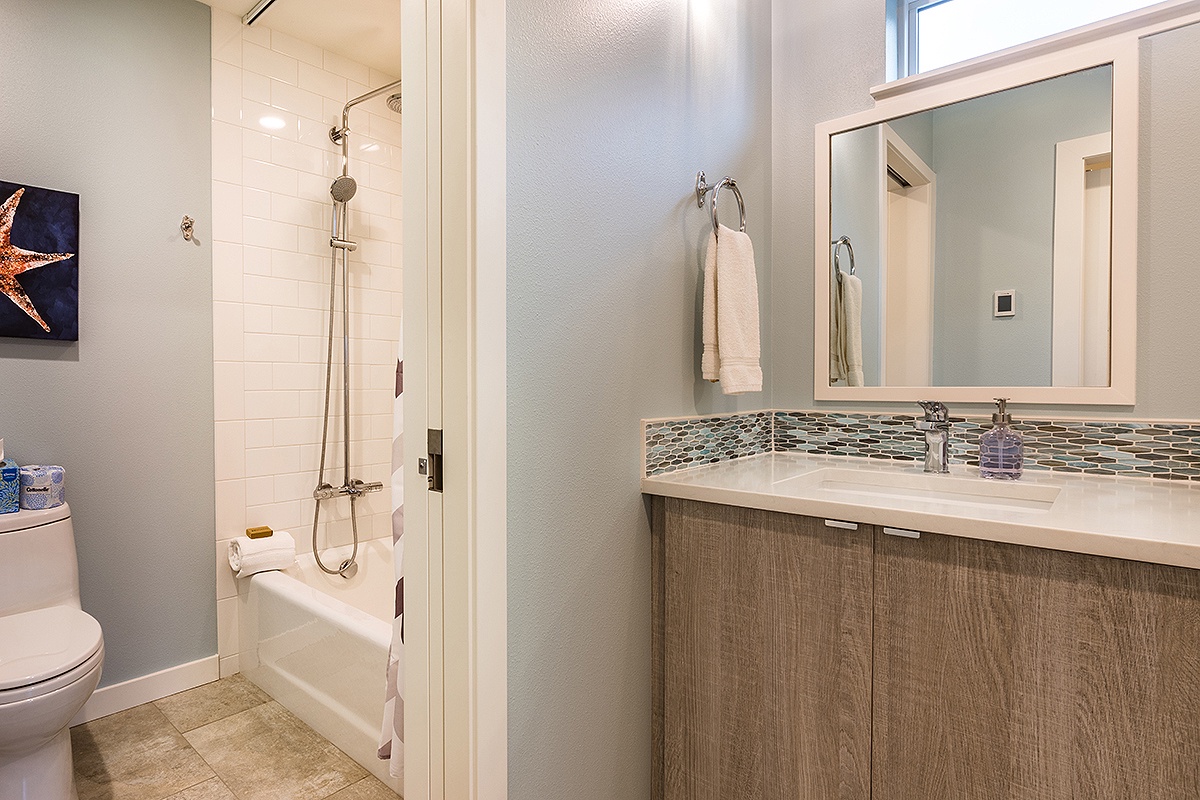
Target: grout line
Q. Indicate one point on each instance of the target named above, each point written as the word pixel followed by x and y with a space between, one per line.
pixel 221 781
pixel 214 776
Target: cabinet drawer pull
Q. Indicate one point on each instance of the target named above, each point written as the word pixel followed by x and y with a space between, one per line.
pixel 907 534
pixel 837 523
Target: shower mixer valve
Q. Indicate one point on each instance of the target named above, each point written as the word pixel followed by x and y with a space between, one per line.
pixel 354 488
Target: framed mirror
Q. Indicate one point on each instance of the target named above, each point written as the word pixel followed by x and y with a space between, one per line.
pixel 978 237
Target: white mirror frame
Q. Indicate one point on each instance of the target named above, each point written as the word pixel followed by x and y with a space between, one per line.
pixel 974 79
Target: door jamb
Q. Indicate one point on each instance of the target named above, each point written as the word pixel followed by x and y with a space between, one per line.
pixel 454 225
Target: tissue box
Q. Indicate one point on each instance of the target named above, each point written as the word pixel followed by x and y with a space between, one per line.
pixel 10 487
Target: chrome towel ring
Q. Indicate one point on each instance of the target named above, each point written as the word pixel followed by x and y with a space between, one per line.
pixel 837 252
pixel 702 189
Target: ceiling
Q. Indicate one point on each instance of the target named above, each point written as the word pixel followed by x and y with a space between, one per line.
pixel 367 31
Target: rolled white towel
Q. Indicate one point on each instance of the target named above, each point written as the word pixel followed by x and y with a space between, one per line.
pixel 852 301
pixel 248 556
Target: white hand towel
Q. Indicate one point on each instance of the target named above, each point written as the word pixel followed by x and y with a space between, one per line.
pixel 710 360
pixel 845 331
pixel 731 334
pixel 248 556
pixel 837 334
pixel 852 296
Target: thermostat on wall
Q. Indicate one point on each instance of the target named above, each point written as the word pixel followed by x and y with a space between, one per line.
pixel 1004 303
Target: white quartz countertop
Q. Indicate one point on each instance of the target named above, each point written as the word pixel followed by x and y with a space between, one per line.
pixel 1141 519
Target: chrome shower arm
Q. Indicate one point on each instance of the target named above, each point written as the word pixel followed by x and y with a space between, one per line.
pixel 362 98
pixel 338 135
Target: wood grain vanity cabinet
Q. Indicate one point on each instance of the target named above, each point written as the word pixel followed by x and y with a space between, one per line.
pixel 798 661
pixel 1026 674
pixel 762 655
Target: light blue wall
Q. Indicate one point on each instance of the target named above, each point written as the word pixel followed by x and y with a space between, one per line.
pixel 110 100
pixel 917 132
pixel 1168 384
pixel 826 55
pixel 613 106
pixel 994 158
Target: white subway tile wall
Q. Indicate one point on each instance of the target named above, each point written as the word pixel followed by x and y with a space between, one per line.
pixel 274 99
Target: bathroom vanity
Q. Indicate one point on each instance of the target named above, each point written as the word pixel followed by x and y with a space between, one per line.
pixel 917 641
pixel 844 626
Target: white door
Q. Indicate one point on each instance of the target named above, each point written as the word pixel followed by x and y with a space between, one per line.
pixel 1082 257
pixel 454 250
pixel 907 271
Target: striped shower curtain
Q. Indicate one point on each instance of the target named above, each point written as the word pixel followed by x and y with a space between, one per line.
pixel 391 743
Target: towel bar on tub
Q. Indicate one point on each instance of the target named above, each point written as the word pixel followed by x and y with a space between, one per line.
pixel 702 189
pixel 837 252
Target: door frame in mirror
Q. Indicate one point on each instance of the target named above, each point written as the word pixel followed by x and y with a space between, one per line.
pixel 1121 52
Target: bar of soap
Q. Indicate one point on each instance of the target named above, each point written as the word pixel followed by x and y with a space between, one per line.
pixel 260 532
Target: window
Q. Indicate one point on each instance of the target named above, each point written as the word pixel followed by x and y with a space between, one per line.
pixel 934 33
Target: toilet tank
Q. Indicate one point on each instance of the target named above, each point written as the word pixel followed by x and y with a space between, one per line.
pixel 38 567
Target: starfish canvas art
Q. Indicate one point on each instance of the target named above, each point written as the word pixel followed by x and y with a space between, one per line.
pixel 39 269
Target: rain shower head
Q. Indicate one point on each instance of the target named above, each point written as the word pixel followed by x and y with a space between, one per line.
pixel 343 189
pixel 394 102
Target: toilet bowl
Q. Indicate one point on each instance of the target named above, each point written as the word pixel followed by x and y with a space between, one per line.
pixel 51 655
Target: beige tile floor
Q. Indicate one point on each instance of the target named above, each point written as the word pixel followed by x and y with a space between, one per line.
pixel 226 740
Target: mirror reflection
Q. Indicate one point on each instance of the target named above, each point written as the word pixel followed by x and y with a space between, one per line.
pixel 980 234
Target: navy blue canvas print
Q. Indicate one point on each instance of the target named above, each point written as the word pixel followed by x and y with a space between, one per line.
pixel 39 263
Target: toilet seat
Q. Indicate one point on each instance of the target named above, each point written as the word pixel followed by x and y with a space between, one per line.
pixel 46 649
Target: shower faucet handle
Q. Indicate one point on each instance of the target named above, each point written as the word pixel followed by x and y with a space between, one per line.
pixel 354 488
pixel 357 487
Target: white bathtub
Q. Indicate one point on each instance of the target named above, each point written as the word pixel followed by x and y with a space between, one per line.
pixel 318 644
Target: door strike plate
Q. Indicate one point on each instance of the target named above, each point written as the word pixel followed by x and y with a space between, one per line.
pixel 435 460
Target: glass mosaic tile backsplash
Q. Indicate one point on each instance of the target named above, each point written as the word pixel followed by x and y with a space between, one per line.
pixel 682 443
pixel 1139 449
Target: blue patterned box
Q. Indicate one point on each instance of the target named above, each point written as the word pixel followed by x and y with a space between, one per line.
pixel 10 487
pixel 42 487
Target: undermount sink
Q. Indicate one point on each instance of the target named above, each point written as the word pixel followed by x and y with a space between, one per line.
pixel 869 484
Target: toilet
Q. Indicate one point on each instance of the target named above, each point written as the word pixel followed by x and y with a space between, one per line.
pixel 51 653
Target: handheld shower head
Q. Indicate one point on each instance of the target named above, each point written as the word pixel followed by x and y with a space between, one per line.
pixel 343 189
pixel 395 101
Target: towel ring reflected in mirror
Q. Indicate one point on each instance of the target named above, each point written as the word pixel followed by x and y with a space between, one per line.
pixel 837 253
pixel 702 189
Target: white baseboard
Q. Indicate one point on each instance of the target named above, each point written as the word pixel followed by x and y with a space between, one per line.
pixel 230 665
pixel 156 685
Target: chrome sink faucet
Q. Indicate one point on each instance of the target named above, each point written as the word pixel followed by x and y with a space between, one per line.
pixel 936 426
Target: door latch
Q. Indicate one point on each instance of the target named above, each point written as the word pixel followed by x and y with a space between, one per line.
pixel 435 460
